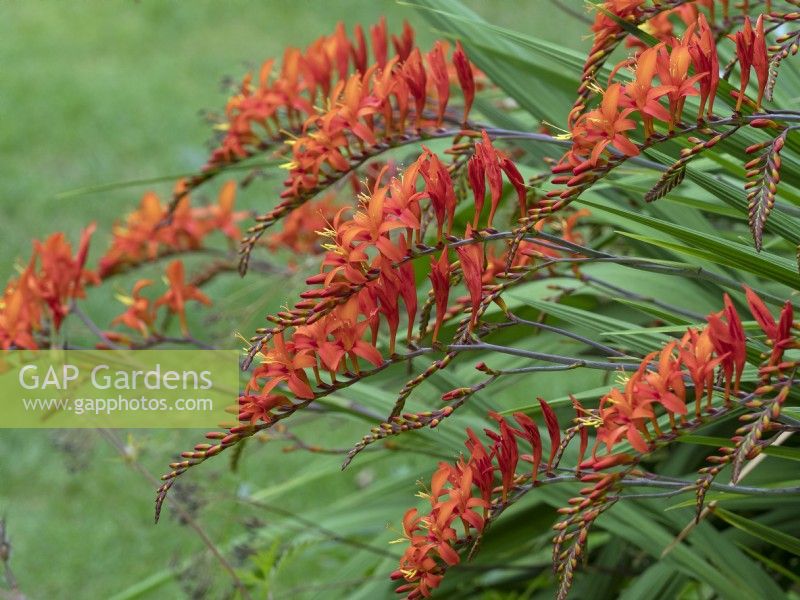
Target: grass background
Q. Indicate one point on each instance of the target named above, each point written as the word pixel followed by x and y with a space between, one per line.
pixel 100 92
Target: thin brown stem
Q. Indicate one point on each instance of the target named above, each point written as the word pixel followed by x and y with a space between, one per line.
pixel 5 559
pixel 187 517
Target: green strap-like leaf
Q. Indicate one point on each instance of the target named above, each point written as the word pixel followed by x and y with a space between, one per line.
pixel 709 247
pixel 763 532
pixel 720 442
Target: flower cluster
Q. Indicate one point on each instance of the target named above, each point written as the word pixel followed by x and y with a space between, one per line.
pixel 343 115
pixel 333 109
pixel 365 100
pixel 372 108
pixel 141 312
pixel 662 380
pixel 152 231
pixel 53 278
pixel 259 114
pixel 608 32
pixel 669 64
pixel 664 76
pixel 300 229
pixel 699 361
pixel 655 20
pixel 366 271
pixel 322 343
pixel 464 496
pixel 606 28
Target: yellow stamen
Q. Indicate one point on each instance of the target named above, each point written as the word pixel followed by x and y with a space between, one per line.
pixel 126 300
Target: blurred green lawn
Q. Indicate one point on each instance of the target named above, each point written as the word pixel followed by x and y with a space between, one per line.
pixel 99 92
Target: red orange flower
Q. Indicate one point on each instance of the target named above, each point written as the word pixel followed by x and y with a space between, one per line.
pixel 603 127
pixel 703 50
pixel 61 277
pixel 440 280
pixel 140 313
pixel 439 187
pixel 729 342
pixel 642 95
pixel 673 71
pixel 779 333
pixel 20 312
pixel 151 231
pixel 179 293
pixel 471 258
pixel 466 78
pixel 751 51
pixel 282 363
pixel 605 27
pixel 462 494
pixel 258 408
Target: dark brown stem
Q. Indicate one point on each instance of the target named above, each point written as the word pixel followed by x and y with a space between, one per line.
pixel 5 559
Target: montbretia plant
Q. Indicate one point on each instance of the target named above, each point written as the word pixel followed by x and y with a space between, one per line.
pixel 422 216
